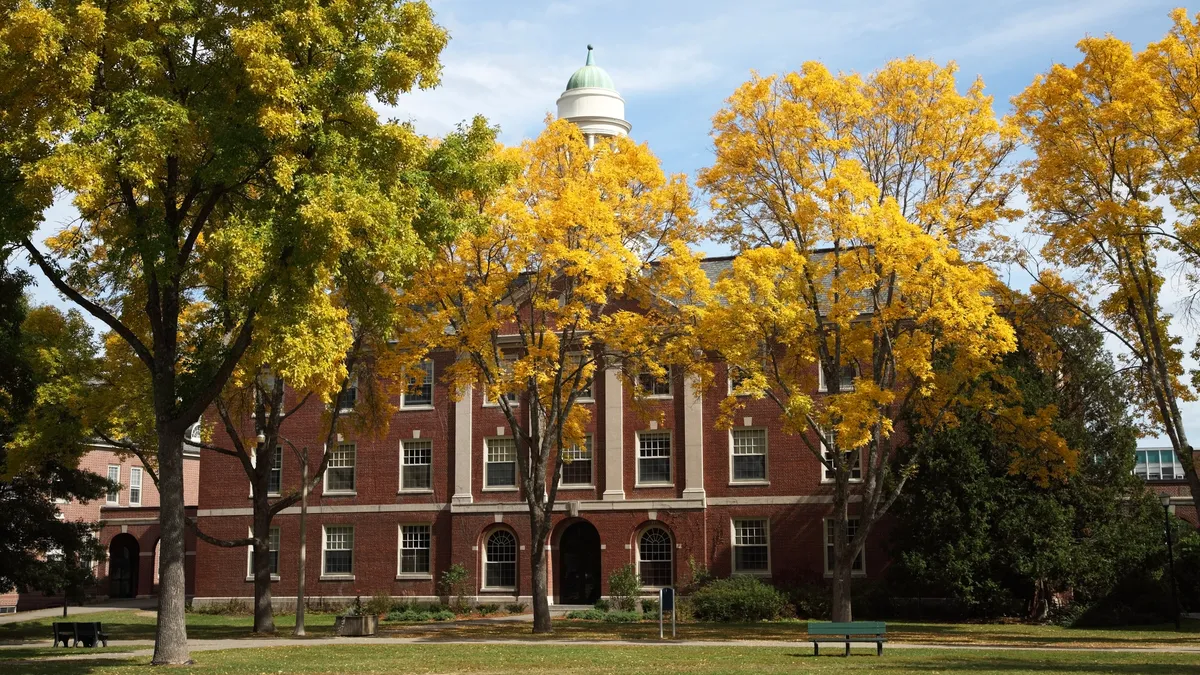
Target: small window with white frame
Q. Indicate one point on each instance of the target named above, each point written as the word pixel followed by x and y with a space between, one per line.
pixel 585 393
pixel 275 478
pixel 828 475
pixel 577 465
pixel 420 387
pixel 655 387
pixel 748 455
pixel 500 458
pixel 500 561
pixel 273 559
pixel 860 564
pixel 416 460
pixel 654 458
pixel 751 546
pixel 337 559
pixel 135 486
pixel 339 474
pixel 414 551
pixel 114 476
pixel 347 399
pixel 849 372
pixel 506 364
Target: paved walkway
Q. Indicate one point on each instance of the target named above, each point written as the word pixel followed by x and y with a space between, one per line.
pixel 144 648
pixel 105 606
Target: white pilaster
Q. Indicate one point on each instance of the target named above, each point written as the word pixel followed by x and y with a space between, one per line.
pixel 693 438
pixel 614 434
pixel 463 433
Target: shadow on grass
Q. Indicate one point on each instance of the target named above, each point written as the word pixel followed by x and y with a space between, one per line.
pixel 73 667
pixel 1029 664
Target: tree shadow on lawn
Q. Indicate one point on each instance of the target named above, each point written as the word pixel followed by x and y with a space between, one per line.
pixel 1016 663
pixel 132 626
pixel 72 667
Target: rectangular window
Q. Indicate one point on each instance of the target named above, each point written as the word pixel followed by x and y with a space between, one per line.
pixel 654 457
pixel 339 475
pixel 827 472
pixel 339 551
pixel 506 367
pixel 654 386
pixel 272 547
pixel 275 478
pixel 420 387
pixel 114 476
pixel 135 486
pixel 585 388
pixel 1155 464
pixel 414 549
pixel 859 565
pixel 348 398
pixel 416 458
pixel 577 464
pixel 751 547
pixel 501 460
pixel 849 372
pixel 749 455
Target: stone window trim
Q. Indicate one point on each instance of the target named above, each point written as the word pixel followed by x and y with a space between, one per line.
pixel 845 387
pixel 747 540
pixel 506 363
pixel 413 444
pixel 588 395
pixel 422 402
pixel 342 463
pixel 859 568
pixel 589 450
pixel 487 453
pixel 766 455
pixel 135 485
pixel 114 496
pixel 655 388
pixel 400 549
pixel 325 533
pixel 273 540
pixel 654 545
pixel 670 450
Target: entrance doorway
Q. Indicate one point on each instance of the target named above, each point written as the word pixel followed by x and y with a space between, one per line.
pixel 579 565
pixel 123 566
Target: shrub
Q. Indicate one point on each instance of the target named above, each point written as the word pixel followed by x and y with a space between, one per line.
pixel 621 617
pixel 454 585
pixel 650 607
pixel 444 615
pixel 699 575
pixel 810 600
pixel 602 605
pixel 623 588
pixel 516 608
pixel 586 614
pixel 435 607
pixel 409 615
pixel 378 605
pixel 490 608
pixel 228 608
pixel 738 599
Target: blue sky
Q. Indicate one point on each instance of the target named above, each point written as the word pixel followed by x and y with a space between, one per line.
pixel 676 61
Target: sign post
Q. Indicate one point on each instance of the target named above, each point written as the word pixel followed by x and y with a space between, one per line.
pixel 666 603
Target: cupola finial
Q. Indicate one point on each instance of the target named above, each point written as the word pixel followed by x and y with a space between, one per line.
pixel 590 60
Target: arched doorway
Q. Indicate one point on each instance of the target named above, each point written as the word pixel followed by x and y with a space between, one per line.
pixel 579 564
pixel 123 566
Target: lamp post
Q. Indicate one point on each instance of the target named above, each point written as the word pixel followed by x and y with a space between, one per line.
pixel 1165 500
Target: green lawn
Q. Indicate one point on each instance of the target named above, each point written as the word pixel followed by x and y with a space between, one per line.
pixel 137 625
pixel 548 659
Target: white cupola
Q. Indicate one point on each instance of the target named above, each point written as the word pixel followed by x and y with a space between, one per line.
pixel 592 103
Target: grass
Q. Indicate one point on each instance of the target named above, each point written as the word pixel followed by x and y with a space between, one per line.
pixel 1008 635
pixel 139 625
pixel 606 659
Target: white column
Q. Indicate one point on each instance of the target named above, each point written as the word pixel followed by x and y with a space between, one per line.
pixel 614 434
pixel 693 438
pixel 463 435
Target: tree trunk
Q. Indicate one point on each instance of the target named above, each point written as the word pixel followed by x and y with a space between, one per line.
pixel 264 615
pixel 170 638
pixel 299 630
pixel 841 589
pixel 541 598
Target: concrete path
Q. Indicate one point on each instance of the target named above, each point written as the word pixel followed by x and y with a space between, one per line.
pixel 143 648
pixel 104 606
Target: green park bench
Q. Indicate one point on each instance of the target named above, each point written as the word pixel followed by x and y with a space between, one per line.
pixel 854 631
pixel 85 633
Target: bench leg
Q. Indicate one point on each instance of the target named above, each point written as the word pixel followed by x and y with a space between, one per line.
pixel 816 649
pixel 878 648
pixel 847 649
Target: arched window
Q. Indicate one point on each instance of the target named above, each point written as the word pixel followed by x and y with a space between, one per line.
pixel 655 557
pixel 500 564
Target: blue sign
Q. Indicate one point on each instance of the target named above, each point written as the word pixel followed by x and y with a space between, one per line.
pixel 666 599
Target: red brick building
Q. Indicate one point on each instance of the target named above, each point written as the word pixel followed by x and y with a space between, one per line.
pixel 128 532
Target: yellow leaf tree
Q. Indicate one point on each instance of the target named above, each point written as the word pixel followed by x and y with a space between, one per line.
pixel 855 303
pixel 225 165
pixel 583 259
pixel 1110 134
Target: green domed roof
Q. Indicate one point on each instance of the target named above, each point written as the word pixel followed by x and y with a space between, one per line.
pixel 590 75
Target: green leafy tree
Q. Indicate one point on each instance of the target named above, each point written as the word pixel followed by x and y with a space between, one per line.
pixel 970 528
pixel 223 162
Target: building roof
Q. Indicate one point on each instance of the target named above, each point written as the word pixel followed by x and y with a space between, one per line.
pixel 590 75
